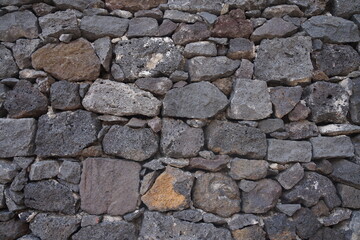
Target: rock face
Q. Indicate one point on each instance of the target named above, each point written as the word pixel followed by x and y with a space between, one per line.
pixel 346 172
pixel 66 133
pixel 248 169
pixel 22 51
pixel 284 60
pixel 133 6
pixel 62 60
pixel 109 186
pixel 158 86
pixel 187 33
pixel 279 227
pixel 8 66
pixel 65 95
pixel 250 233
pixel 332 147
pixel 345 9
pixel 285 151
pixel 232 25
pixel 64 22
pixel 291 176
pixel 13 229
pixel 134 144
pixel 355 101
pixel 94 27
pixel 196 100
pixel 349 196
pixel 142 27
pixel 217 193
pixel 276 27
pixel 120 99
pixel 284 99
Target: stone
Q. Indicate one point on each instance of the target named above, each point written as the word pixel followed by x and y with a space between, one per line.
pixel 328 233
pixel 78 4
pixel 233 138
pixel 350 196
pixel 239 221
pixel 159 226
pixel 66 37
pixel 230 26
pixel 62 22
pixel 288 209
pixel 66 133
pixel 155 124
pixel 43 170
pixel 175 162
pixel 133 6
pixel 280 11
pixel 158 86
pixel 355 101
pixel 311 189
pixel 119 230
pixel 202 48
pixel 311 7
pixel 212 218
pixel 19 181
pixel 301 130
pixel 332 29
pixel 285 151
pixel 190 215
pixel 134 215
pixel 248 169
pixel 306 223
pixel 147 181
pixel 8 67
pixel 31 74
pixel 103 49
pixel 219 162
pixel 249 233
pixel 250 100
pixel 23 162
pixel 224 84
pixel 332 147
pixel 136 123
pixel 271 125
pixel 19 24
pixel 152 13
pixel 273 28
pixel 336 216
pixel 147 57
pixel 46 226
pixel 187 33
pixel 345 9
pixel 284 60
pixel 216 193
pixel 142 27
pixel 117 73
pixel 60 60
pixel 109 186
pixel 44 84
pixel 170 191
pixel 17 137
pixel 338 129
pixel 180 140
pixel 291 176
pixel 299 112
pixel 324 167
pixel 65 95
pixel 8 171
pixel 51 196
pixel 211 68
pixel 120 99
pixel 279 227
pixel 241 48
pixel 178 16
pixel 22 51
pixel 13 229
pixel 346 172
pixel 70 172
pixel 245 70
pixel 41 9
pixel 166 28
pixel 196 100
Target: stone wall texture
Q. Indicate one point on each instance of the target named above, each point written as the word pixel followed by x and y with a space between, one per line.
pixel 180 119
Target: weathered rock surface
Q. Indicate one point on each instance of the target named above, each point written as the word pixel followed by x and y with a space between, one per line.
pixel 22 51
pixel 346 172
pixel 202 48
pixel 65 95
pixel 284 99
pixel 248 169
pixel 271 125
pixel 285 151
pixel 299 112
pixel 196 5
pixel 55 24
pixel 142 27
pixel 190 215
pixel 103 49
pixel 291 176
pixel 312 7
pixel 350 196
pixel 187 33
pixel 241 48
pixel 306 223
pixel 232 25
pixel 8 67
pixel 238 221
pixel 62 60
pixel 301 130
pixel 281 11
pixel 336 216
pixel 249 233
pixel 43 170
pixel 133 6
pixel 332 147
pixel 94 27
pixel 279 227
pixel 355 101
pixel 345 9
pixel 13 229
pixel 158 86
pixel 276 27
pixel 8 171
pixel 70 172
pixel 78 4
pixel 217 163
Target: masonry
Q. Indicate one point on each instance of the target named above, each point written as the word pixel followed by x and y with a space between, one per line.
pixel 179 119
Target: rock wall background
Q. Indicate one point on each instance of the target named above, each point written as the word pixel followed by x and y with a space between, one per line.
pixel 180 119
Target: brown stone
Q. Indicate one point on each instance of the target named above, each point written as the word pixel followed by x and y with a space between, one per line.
pixel 232 26
pixel 300 112
pixel 75 61
pixel 187 33
pixel 249 233
pixel 109 186
pixel 216 164
pixel 171 191
pixel 133 6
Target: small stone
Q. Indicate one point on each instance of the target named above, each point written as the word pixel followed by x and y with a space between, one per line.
pixel 230 26
pixel 110 119
pixel 271 125
pixel 306 223
pixel 354 101
pixel 8 67
pixel 70 172
pixel 117 73
pixel 13 229
pixel 332 147
pixel 142 27
pixel 273 28
pixel 178 16
pixel 285 151
pixel 190 215
pixel 66 38
pixel 179 76
pixel 212 218
pixel 41 9
pixel 279 227
pixel 62 22
pixel 338 129
pixel 291 176
pixel 44 84
pixel 248 169
pixel 153 13
pixel 320 209
pixel 8 171
pixel 282 10
pixel 133 6
pixel 324 167
pixel 136 123
pixel 346 172
pixel 350 196
pixel 208 17
pixel 122 13
pixel 154 165
pixel 103 49
pixel 245 70
pixel 31 74
pixel 65 95
pixel 217 163
pixel 22 51
pixel 239 221
pixel 78 4
pixel 241 48
pixel 187 33
pixel 19 182
pixel 301 130
pixel 299 112
pixel 147 181
pixel 288 209
pixel 345 9
pixel 175 162
pixel 166 28
pixel 336 216
pixel 224 84
pixel 158 86
pixel 249 233
pixel 90 220
pixel 202 48
pixel 43 170
pixel 155 124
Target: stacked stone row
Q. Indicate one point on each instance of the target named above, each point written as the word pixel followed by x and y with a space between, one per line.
pixel 179 119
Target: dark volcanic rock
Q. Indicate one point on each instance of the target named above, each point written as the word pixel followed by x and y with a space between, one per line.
pixel 346 172
pixel 248 169
pixel 355 101
pixel 65 95
pixel 158 86
pixel 306 223
pixel 142 27
pixel 276 27
pixel 22 51
pixel 217 163
pixel 350 196
pixel 249 233
pixel 312 7
pixel 8 66
pixel 232 25
pixel 285 151
pixel 279 227
pixel 190 215
pixel 332 147
pixel 241 48
pixel 284 99
pixel 133 6
pixel 301 130
pixel 13 229
pixel 187 33
pixel 291 176
pixel 328 233
pixel 62 22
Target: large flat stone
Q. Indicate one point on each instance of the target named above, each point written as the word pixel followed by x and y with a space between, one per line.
pixel 332 147
pixel 275 27
pixel 248 169
pixel 188 33
pixel 62 22
pixel 285 151
pixel 214 6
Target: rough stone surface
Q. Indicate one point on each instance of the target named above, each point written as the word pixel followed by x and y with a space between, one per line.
pixel 202 48
pixel 345 9
pixel 284 99
pixel 281 11
pixel 22 51
pixel 338 129
pixel 332 147
pixel 187 33
pixel 279 227
pixel 299 112
pixel 355 101
pixel 109 186
pixel 232 25
pixel 248 169
pixel 142 27
pixel 312 7
pixel 249 233
pixel 8 171
pixel 133 6
pixel 70 172
pixel 238 221
pixel 291 176
pixel 65 95
pixel 271 125
pixel 346 172
pixel 336 216
pixel 241 48
pixel 306 223
pixel 276 27
pixel 103 49
pixel 158 86
pixel 217 163
pixel 288 209
pixel 285 151
pixel 13 229
pixel 301 130
pixel 43 170
pixel 55 24
pixel 8 67
pixel 350 196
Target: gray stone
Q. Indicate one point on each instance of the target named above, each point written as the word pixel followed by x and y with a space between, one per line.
pixel 301 130
pixel 175 162
pixel 312 7
pixel 217 163
pixel 212 218
pixel 345 9
pixel 66 37
pixel 6 215
pixel 354 225
pixel 118 230
pixel 158 86
pixel 43 170
pixel 246 185
pixel 18 24
pixel 142 27
pixel 271 125
pixel 336 216
pixel 331 233
pixel 117 73
pixel 232 138
pixel 299 112
pixel 8 67
pixel 288 209
pixel 13 229
pixel 276 27
pixel 147 181
pixel 120 99
pixel 77 4
pixel 211 68
pixel 350 196
pixel 66 133
pixel 250 100
pixel 180 140
pixel 245 70
pixel 196 5
pixel 332 29
pixel 134 215
pixel 284 60
pixel 356 19
pixel 132 6
pixel 22 51
pixel 109 186
pixel 248 169
pixel 46 226
pixel 70 172
pixel 65 95
pixel 281 11
pixel 339 129
pixel 241 48
pixel 306 223
pixel 311 189
pixel 355 101
pixel 279 227
pixel 196 100
pixel 178 76
pixel 167 28
pixel 159 226
pixel 62 22
pixel 17 137
pixel 187 33
pixel 23 162
pixel 94 27
pixel 134 144
pixel 19 181
pixel 216 193
pixel 285 151
pixel 239 221
pixel 8 170
pixel 202 48
pixel 147 57
pixel 152 13
pixel 346 172
pixel 103 49
pixel 49 195
pixel 41 9
pixel 249 233
pixel 178 16
pixel 332 147
pixel 291 176
pixel 190 215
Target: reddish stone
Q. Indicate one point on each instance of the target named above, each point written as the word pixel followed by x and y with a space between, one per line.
pixel 232 26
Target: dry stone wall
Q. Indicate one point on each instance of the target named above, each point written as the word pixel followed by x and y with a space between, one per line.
pixel 180 119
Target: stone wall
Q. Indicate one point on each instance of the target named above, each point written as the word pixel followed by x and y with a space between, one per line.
pixel 180 119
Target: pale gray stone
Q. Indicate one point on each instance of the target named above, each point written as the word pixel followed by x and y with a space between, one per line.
pixel 332 147
pixel 22 51
pixel 271 125
pixel 285 151
pixel 8 171
pixel 70 172
pixel 281 11
pixel 338 129
pixel 276 27
pixel 77 4
pixel 158 86
pixel 178 16
pixel 239 221
pixel 288 209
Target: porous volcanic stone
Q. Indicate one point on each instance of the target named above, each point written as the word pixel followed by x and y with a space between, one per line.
pixel 8 66
pixel 62 22
pixel 291 176
pixel 285 99
pixel 332 147
pixel 196 100
pixel 279 227
pixel 285 151
pixel 65 95
pixel 350 196
pixel 248 169
pixel 13 229
pixel 306 223
pixel 62 60
pixel 346 172
pixel 66 133
pixel 203 48
pixel 187 33
pixel 311 7
pixel 133 6
pixel 22 51
pixel 276 27
pixel 249 233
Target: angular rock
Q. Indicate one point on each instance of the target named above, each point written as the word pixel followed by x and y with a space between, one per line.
pixel 142 27
pixel 19 181
pixel 328 233
pixel 232 26
pixel 299 112
pixel 103 49
pixel 43 170
pixel 213 165
pixel 65 95
pixel 350 196
pixel 49 195
pixel 284 60
pixel 13 229
pixel 109 186
pixel 291 176
pixel 238 221
pixel 245 70
pixel 332 29
pixel 276 27
pixel 61 60
pixel 154 13
pixel 187 33
pixel 345 9
pixel 338 129
pixel 311 7
pixel 281 11
pixel 202 48
pixel 120 99
pixel 250 100
pixel 336 216
pixel 70 172
pixel 8 67
pixel 301 130
pixel 18 24
pixel 166 28
pixel 306 223
pixel 262 198
pixel 248 169
pixel 241 48
pixel 133 6
pixel 62 22
pixel 171 191
pixel 346 172
pixel 355 101
pixel 285 151
pixel 158 86
pixel 178 16
pixel 8 171
pixel 66 133
pixel 134 144
pixel 147 57
pixel 190 215
pixel 249 233
pixel 196 100
pixel 279 227
pixel 22 51
pixel 271 125
pixel 78 4
pixel 17 137
pixel 232 138
pixel 332 147
pixel 288 209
